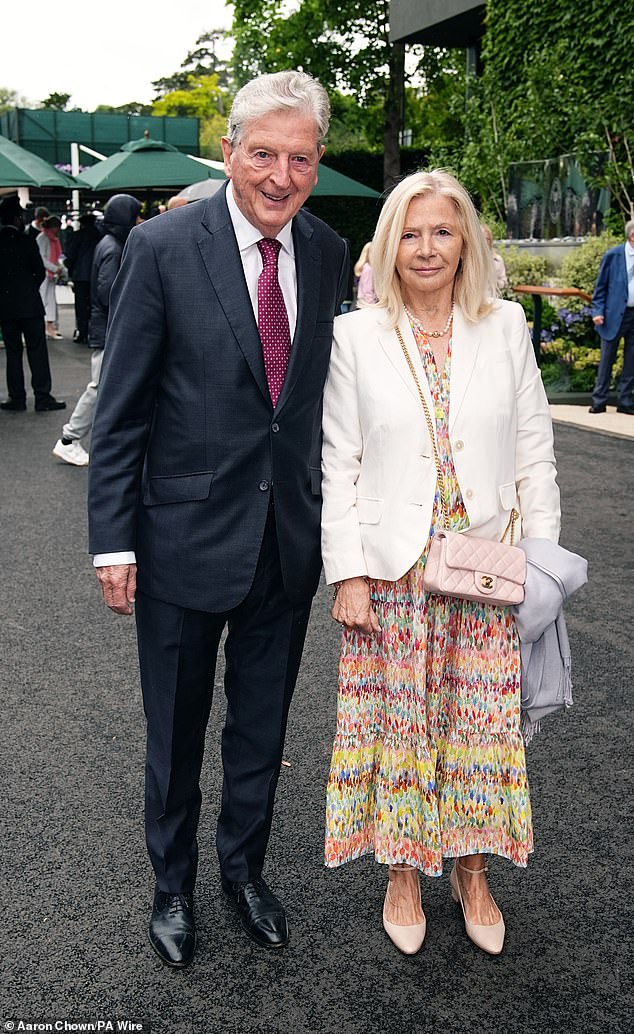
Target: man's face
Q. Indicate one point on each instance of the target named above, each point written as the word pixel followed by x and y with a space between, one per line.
pixel 273 168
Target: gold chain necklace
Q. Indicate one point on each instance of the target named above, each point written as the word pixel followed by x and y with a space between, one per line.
pixel 432 333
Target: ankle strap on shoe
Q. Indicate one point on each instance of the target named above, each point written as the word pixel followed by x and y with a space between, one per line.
pixel 473 872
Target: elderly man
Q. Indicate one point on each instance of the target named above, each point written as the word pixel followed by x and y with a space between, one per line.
pixel 613 316
pixel 205 471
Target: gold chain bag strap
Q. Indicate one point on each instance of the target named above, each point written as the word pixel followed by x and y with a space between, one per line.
pixel 463 565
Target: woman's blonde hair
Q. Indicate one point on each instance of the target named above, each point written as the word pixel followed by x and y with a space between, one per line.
pixel 474 289
pixel 364 257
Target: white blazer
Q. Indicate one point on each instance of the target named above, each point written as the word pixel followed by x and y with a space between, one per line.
pixel 379 476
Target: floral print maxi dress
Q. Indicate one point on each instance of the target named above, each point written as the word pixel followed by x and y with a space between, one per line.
pixel 428 759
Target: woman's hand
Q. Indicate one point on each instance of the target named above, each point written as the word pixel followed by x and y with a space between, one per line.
pixel 352 609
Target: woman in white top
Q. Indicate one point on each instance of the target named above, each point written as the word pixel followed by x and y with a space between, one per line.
pixel 428 762
pixel 51 251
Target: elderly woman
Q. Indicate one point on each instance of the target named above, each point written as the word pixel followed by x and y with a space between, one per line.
pixel 428 761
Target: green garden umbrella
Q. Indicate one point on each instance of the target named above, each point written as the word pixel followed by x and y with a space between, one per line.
pixel 331 184
pixel 22 168
pixel 146 164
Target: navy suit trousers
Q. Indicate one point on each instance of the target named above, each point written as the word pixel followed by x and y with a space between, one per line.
pixel 609 349
pixel 177 651
pixel 32 327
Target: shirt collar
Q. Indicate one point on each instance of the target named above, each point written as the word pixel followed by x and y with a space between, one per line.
pixel 248 235
pixel 629 250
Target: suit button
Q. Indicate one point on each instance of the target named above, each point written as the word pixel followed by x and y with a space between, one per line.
pixel 275 428
pixel 263 486
pixel 459 445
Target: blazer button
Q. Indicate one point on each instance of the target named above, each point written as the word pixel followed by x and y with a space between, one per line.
pixel 263 486
pixel 275 428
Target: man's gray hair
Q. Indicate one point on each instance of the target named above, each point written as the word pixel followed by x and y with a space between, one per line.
pixel 629 229
pixel 279 91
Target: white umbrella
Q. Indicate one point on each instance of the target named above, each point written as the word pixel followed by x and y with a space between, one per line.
pixel 205 188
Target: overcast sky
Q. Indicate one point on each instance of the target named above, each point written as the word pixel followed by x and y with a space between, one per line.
pixel 100 53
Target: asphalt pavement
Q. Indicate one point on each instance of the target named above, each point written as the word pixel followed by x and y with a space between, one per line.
pixel 76 884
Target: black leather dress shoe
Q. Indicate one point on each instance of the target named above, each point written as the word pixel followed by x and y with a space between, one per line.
pixel 597 409
pixel 47 404
pixel 172 928
pixel 625 409
pixel 261 914
pixel 13 406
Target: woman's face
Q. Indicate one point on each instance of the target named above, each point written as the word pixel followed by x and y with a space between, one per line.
pixel 430 248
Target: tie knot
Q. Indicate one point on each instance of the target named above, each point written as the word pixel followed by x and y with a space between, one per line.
pixel 269 249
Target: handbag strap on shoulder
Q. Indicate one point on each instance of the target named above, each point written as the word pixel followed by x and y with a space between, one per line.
pixel 510 527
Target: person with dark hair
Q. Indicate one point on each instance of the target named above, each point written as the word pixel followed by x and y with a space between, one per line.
pixel 120 214
pixel 79 254
pixel 204 470
pixel 22 312
pixel 36 225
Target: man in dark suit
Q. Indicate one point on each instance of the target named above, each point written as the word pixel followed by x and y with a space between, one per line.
pixel 22 312
pixel 613 316
pixel 205 471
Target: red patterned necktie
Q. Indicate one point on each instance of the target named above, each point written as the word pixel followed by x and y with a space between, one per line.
pixel 272 319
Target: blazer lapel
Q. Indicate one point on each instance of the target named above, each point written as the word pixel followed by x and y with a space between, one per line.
pixel 465 346
pixel 308 271
pixel 221 256
pixel 393 350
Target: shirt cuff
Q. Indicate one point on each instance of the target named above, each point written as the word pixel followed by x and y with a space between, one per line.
pixel 105 559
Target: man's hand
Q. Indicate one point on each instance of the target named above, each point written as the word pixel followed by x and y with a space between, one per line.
pixel 118 585
pixel 598 321
pixel 352 609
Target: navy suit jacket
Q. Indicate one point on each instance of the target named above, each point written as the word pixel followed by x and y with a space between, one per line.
pixel 21 273
pixel 609 298
pixel 186 446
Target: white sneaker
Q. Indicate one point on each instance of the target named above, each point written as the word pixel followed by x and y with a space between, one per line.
pixel 73 453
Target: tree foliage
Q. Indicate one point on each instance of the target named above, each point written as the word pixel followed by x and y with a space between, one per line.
pixel 343 43
pixel 11 99
pixel 201 97
pixel 56 101
pixel 554 82
pixel 202 61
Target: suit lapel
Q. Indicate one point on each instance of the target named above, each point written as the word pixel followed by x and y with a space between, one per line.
pixel 221 256
pixel 464 352
pixel 465 346
pixel 308 269
pixel 393 350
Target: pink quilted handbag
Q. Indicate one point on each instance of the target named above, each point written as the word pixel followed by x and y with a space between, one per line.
pixel 475 569
pixel 463 565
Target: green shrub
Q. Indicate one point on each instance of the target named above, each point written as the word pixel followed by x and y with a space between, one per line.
pixel 523 268
pixel 568 365
pixel 580 267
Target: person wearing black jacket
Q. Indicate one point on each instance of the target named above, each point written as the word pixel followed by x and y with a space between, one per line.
pixel 22 312
pixel 119 216
pixel 79 252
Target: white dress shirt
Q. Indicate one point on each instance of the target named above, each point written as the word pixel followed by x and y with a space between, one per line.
pixel 629 266
pixel 247 237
